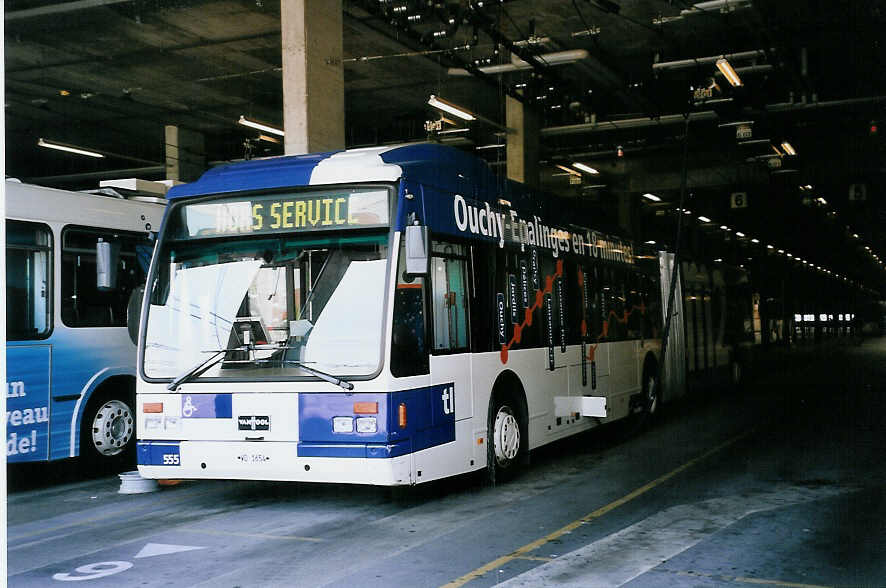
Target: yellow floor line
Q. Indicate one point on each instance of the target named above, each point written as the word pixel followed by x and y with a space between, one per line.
pixel 522 551
pixel 757 581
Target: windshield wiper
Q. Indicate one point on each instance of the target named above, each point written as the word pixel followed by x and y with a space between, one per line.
pixel 322 375
pixel 199 368
pixel 204 365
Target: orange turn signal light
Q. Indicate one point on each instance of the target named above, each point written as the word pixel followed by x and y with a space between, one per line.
pixel 366 408
pixel 152 407
pixel 401 415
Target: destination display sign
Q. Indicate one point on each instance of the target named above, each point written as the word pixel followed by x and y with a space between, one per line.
pixel 277 213
pixel 484 221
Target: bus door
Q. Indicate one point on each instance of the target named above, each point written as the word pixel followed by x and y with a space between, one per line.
pixel 28 326
pixel 597 331
pixel 450 358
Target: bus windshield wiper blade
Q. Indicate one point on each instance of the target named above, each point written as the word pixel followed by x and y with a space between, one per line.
pixel 198 369
pixel 204 365
pixel 322 375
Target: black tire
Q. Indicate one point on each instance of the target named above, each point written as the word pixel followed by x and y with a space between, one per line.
pixel 736 375
pixel 650 402
pixel 107 433
pixel 507 440
pixel 651 391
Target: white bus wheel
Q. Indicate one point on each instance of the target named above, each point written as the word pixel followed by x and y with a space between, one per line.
pixel 651 396
pixel 735 374
pixel 111 428
pixel 506 438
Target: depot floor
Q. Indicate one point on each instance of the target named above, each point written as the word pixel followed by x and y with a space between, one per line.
pixel 781 484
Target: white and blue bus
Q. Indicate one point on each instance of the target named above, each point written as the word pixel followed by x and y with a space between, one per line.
pixel 384 316
pixel 72 261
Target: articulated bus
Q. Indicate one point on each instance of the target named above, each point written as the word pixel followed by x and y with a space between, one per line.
pixel 72 261
pixel 389 316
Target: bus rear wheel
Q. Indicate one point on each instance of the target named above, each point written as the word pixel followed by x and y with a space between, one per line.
pixel 506 441
pixel 108 433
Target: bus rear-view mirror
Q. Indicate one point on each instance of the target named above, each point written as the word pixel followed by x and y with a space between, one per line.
pixel 417 250
pixel 107 256
pixel 134 312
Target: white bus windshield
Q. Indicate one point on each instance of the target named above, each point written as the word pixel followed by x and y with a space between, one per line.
pixel 271 304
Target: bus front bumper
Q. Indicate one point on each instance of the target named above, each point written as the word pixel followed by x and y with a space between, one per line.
pixel 265 460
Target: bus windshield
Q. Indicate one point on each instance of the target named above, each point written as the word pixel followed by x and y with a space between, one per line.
pixel 267 305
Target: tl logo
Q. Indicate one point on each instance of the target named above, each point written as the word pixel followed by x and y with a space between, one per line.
pixel 448 399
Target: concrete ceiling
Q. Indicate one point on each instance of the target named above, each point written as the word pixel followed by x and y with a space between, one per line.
pixel 109 74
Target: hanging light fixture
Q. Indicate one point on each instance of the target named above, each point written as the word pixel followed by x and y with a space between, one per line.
pixel 451 108
pixel 726 69
pixel 260 126
pixel 585 168
pixel 69 148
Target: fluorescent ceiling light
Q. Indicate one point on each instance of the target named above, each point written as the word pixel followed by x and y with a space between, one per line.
pixel 704 219
pixel 650 242
pixel 257 125
pixel 770 247
pixel 585 168
pixel 453 131
pixel 724 228
pixel 739 234
pixel 451 108
pixel 719 260
pixel 755 240
pixel 491 146
pixel 788 148
pixel 727 71
pixel 651 197
pixel 568 170
pixel 517 64
pixel 68 148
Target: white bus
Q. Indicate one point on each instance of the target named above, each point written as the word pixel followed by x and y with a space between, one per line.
pixel 72 261
pixel 383 316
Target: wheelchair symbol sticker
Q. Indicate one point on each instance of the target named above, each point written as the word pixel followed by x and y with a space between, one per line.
pixel 188 408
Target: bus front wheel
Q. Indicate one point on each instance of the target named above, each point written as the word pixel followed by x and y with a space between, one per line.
pixel 108 432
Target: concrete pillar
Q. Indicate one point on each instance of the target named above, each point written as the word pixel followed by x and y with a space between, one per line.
pixel 625 204
pixel 313 76
pixel 185 154
pixel 523 143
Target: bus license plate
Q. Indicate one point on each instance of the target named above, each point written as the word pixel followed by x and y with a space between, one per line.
pixel 253 458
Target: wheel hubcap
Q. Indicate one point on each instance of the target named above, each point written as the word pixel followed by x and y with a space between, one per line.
pixel 651 395
pixel 112 428
pixel 506 436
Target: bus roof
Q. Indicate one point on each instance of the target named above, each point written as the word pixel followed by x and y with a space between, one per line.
pixel 39 203
pixel 429 163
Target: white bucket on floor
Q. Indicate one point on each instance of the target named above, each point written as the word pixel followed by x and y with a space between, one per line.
pixel 133 483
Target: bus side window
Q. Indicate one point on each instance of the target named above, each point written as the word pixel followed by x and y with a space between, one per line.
pixel 595 302
pixel 409 354
pixel 634 307
pixel 28 280
pixel 449 297
pixel 82 304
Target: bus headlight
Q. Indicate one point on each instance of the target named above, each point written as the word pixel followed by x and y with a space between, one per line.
pixel 367 425
pixel 342 424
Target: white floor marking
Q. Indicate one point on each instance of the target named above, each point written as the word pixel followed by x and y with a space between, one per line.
pixel 622 556
pixel 152 549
